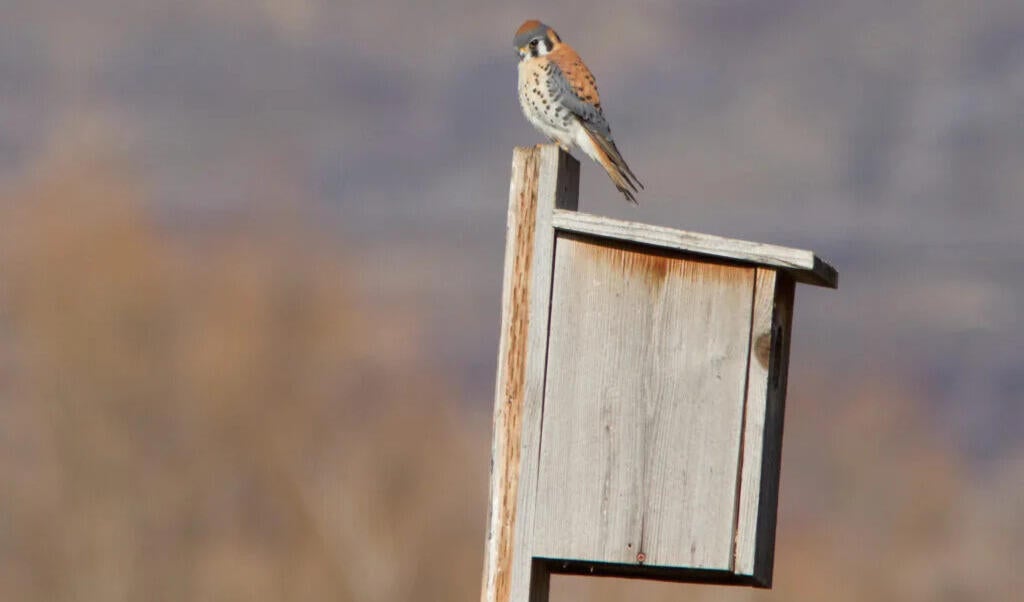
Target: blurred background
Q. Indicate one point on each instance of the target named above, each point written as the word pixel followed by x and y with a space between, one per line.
pixel 250 266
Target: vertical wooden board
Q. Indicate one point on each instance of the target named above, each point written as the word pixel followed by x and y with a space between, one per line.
pixel 646 369
pixel 752 448
pixel 592 442
pixel 542 178
pixel 557 187
pixel 775 412
pixel 507 420
pixel 695 415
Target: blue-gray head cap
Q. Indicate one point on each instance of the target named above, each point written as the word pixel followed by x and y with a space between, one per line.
pixel 529 30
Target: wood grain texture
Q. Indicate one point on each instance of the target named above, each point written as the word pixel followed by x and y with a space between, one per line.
pixel 644 400
pixel 775 412
pixel 507 419
pixel 752 448
pixel 542 178
pixel 804 266
pixel 557 187
pixel 640 395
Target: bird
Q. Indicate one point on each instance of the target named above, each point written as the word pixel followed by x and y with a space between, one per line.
pixel 558 95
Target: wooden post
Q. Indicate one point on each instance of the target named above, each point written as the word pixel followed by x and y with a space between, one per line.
pixel 639 398
pixel 543 178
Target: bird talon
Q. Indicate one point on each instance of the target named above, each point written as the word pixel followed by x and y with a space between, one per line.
pixel 560 144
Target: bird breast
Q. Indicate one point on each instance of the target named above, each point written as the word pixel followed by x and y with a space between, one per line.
pixel 537 97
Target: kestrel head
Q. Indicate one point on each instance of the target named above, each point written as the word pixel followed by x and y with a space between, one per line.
pixel 534 38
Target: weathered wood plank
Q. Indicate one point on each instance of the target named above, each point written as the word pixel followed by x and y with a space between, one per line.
pixel 804 266
pixel 640 395
pixel 752 449
pixel 695 421
pixel 644 398
pixel 589 499
pixel 775 411
pixel 557 188
pixel 542 178
pixel 507 419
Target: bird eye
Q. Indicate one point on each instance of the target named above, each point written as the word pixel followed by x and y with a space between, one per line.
pixel 533 43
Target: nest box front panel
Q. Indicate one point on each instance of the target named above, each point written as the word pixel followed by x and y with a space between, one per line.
pixel 643 406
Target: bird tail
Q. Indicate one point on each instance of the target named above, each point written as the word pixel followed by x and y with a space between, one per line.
pixel 621 175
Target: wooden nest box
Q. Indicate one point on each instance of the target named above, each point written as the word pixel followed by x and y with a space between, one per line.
pixel 640 395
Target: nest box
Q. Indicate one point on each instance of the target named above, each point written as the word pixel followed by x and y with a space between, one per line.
pixel 640 395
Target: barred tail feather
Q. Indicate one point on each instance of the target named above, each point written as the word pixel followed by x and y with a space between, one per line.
pixel 607 154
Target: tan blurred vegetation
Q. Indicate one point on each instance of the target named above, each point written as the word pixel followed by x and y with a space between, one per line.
pixel 223 415
pixel 215 417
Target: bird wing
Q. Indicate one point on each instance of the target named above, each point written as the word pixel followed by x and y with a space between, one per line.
pixel 576 89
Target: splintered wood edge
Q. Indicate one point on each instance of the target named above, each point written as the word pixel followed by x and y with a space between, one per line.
pixel 748 499
pixel 543 177
pixel 804 266
pixel 507 419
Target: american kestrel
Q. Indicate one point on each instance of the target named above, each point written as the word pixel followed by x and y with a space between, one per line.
pixel 559 97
